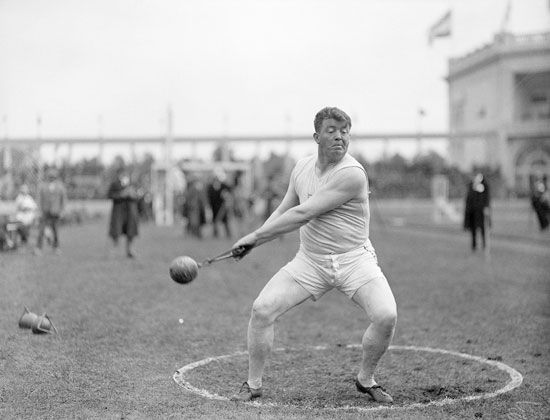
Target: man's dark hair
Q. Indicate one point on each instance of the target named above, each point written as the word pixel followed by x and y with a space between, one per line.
pixel 328 113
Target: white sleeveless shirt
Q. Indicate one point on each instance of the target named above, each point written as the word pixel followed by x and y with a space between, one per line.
pixel 341 229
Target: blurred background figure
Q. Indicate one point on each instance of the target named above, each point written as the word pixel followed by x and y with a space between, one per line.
pixel 145 205
pixel 124 219
pixel 52 200
pixel 220 199
pixel 271 195
pixel 194 207
pixel 6 242
pixel 540 201
pixel 25 212
pixel 241 204
pixel 477 208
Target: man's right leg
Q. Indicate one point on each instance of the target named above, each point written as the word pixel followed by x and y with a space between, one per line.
pixel 41 227
pixel 129 252
pixel 279 295
pixel 376 299
pixel 52 221
pixel 23 232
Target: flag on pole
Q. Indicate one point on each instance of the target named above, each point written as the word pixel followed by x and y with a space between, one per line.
pixel 440 29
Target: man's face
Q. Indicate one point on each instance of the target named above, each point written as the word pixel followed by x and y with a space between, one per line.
pixel 333 139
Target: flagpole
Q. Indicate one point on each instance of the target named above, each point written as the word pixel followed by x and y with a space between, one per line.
pixel 444 27
pixel 506 17
pixel 452 52
pixel 452 35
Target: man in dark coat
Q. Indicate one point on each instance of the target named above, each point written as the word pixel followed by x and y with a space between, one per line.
pixel 124 213
pixel 52 199
pixel 194 207
pixel 220 200
pixel 477 208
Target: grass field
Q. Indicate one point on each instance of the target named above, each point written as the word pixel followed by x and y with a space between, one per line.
pixel 120 339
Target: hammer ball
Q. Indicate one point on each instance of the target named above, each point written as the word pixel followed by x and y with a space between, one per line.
pixel 183 269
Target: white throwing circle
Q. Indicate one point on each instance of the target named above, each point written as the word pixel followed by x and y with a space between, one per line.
pixel 515 381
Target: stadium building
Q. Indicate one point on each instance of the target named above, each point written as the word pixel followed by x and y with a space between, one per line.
pixel 502 91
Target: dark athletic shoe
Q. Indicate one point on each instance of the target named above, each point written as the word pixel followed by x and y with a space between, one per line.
pixel 246 393
pixel 376 392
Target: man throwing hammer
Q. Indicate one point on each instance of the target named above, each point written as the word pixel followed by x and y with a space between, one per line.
pixel 327 199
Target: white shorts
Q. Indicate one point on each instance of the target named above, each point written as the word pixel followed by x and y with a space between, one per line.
pixel 347 272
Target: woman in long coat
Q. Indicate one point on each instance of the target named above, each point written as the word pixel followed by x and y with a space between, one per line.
pixel 124 213
pixel 476 209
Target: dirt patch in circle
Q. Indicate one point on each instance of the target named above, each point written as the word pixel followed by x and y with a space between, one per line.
pixel 322 377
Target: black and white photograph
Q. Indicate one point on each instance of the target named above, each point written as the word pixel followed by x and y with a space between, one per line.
pixel 275 209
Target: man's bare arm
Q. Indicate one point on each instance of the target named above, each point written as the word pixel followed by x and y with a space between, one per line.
pixel 345 185
pixel 289 200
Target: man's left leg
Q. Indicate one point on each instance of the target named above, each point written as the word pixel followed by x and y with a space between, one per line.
pixel 53 220
pixel 227 226
pixel 39 240
pixel 376 299
pixel 279 295
pixel 129 251
pixel 23 231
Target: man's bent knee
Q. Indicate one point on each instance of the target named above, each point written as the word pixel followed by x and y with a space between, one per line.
pixel 386 318
pixel 263 312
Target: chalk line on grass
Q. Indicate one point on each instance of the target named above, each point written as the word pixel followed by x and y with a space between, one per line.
pixel 515 381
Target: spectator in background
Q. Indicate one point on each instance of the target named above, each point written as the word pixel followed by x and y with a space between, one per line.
pixel 220 200
pixel 52 199
pixel 241 202
pixel 145 205
pixel 6 242
pixel 271 195
pixel 124 213
pixel 194 207
pixel 540 201
pixel 477 208
pixel 25 212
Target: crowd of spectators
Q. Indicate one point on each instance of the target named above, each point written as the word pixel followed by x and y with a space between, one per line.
pixel 221 204
pixel 224 204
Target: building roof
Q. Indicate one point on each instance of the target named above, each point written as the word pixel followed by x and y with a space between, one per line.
pixel 504 44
